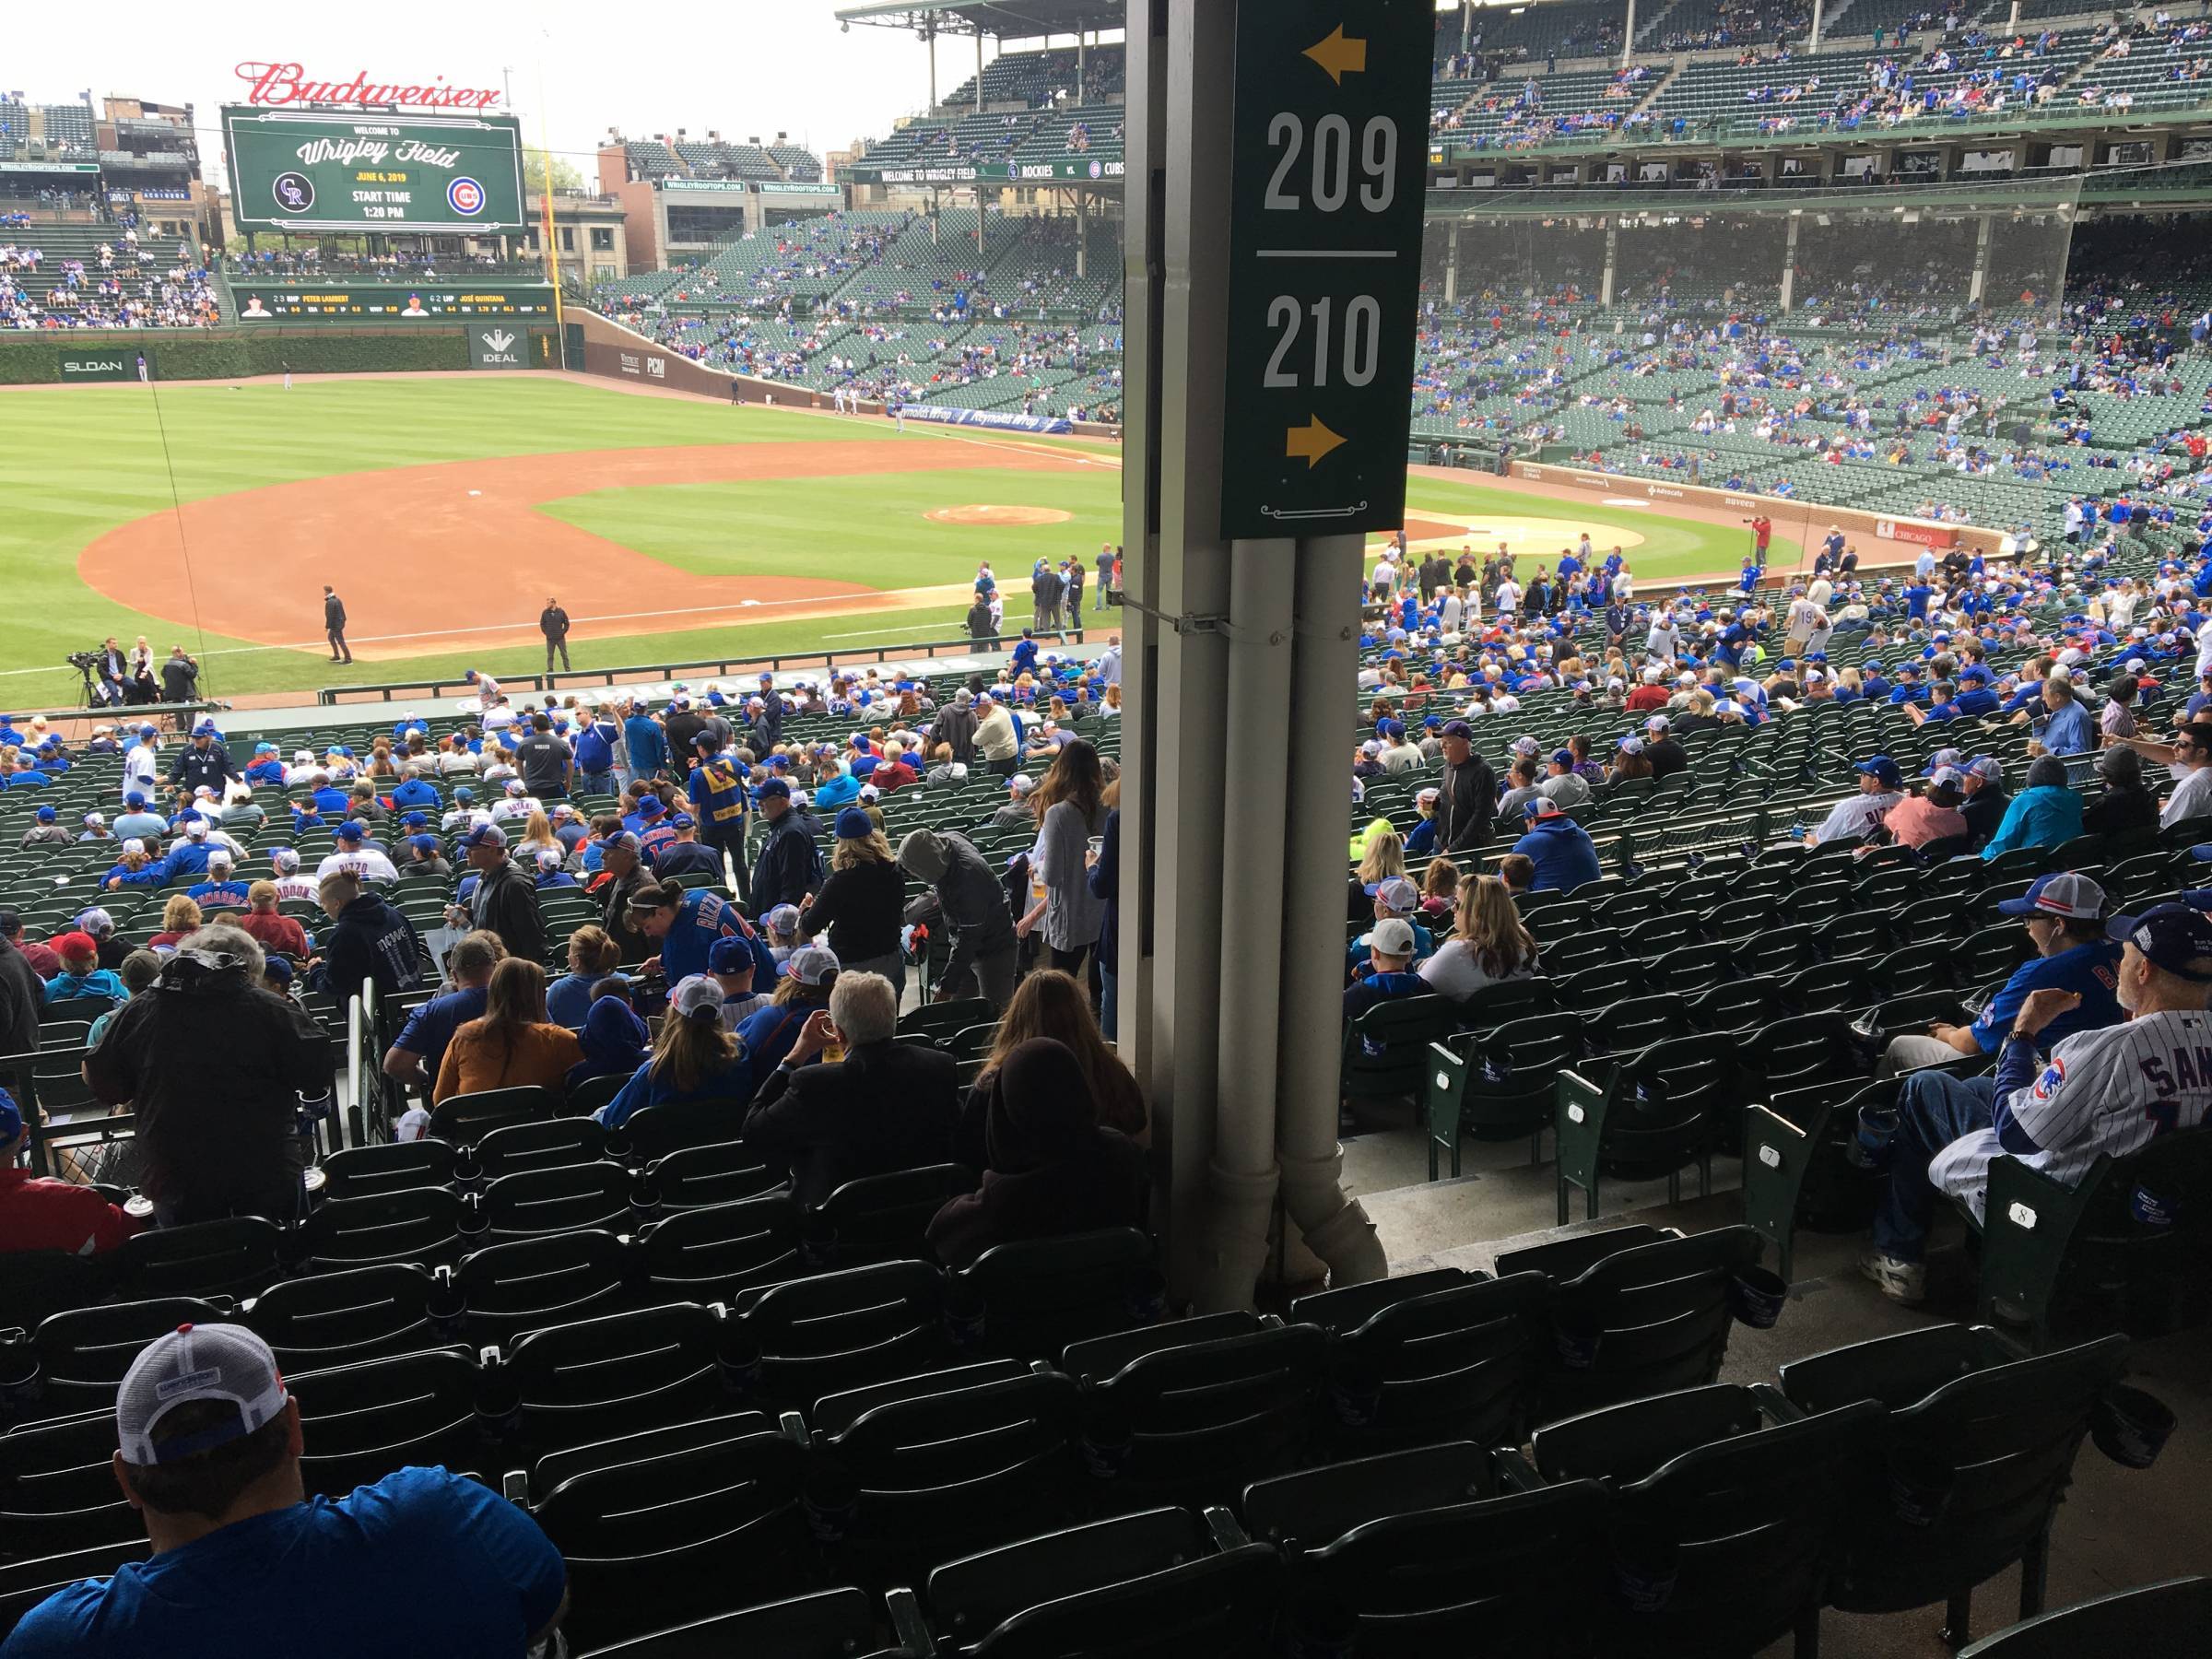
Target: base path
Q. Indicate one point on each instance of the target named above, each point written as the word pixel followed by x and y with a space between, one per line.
pixel 455 555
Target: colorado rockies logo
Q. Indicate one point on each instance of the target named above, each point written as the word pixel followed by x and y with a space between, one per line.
pixel 465 196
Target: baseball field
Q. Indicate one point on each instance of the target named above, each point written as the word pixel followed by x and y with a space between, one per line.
pixel 447 510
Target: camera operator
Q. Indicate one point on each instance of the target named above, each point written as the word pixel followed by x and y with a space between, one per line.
pixel 180 681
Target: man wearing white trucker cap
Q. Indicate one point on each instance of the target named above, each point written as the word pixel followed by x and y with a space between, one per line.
pixel 2064 917
pixel 245 1562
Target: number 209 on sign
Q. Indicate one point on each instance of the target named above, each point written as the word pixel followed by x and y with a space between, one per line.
pixel 1357 345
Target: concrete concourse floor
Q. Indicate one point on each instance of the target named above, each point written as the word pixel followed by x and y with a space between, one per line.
pixel 2118 1527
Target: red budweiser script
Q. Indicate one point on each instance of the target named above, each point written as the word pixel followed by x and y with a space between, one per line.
pixel 287 84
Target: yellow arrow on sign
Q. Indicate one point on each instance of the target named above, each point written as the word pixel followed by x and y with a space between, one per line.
pixel 1312 441
pixel 1340 57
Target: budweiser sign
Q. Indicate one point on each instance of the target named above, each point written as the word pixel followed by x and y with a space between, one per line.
pixel 275 83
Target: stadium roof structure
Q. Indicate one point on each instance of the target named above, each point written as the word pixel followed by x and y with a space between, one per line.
pixel 1003 19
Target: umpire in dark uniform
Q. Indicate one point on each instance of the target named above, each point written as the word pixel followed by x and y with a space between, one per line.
pixel 333 624
pixel 553 623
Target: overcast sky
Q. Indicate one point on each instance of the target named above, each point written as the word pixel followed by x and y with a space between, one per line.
pixel 745 67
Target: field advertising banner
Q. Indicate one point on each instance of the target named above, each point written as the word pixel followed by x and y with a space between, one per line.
pixel 363 170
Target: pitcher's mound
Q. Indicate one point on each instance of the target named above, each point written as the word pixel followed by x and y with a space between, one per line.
pixel 983 514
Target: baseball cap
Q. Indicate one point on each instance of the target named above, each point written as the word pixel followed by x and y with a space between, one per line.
pixel 484 835
pixel 1562 757
pixel 1458 728
pixel 462 793
pixel 1987 768
pixel 811 965
pixel 682 820
pixel 423 844
pixel 1657 723
pixel 2060 893
pixel 854 824
pixel 351 829
pixel 1942 758
pixel 782 919
pixel 731 955
pixel 698 997
pixel 196 828
pixel 134 800
pixel 46 815
pixel 622 841
pixel 96 820
pixel 220 1362
pixel 1883 767
pixel 548 858
pixel 772 788
pixel 1393 937
pixel 2175 938
pixel 1947 777
pixel 1398 894
pixel 1021 782
pixel 515 786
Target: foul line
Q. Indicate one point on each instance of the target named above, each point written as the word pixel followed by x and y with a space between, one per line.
pixel 922 596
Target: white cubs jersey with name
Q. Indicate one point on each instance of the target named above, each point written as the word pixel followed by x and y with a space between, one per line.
pixel 2103 1092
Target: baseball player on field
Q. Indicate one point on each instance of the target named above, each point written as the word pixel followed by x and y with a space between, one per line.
pixel 2106 1091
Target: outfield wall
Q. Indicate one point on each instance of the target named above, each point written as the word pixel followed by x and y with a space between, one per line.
pixel 600 345
pixel 70 357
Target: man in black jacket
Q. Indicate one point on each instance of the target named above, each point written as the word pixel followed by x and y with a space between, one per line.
pixel 371 941
pixel 180 678
pixel 214 1068
pixel 954 725
pixel 789 865
pixel 22 993
pixel 623 862
pixel 683 727
pixel 889 1106
pixel 971 910
pixel 1466 798
pixel 333 624
pixel 505 902
pixel 553 623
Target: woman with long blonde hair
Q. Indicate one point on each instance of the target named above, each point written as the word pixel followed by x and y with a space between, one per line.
pixel 861 906
pixel 1490 943
pixel 538 833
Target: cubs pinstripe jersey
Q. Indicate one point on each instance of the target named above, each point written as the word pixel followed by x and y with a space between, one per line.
pixel 2105 1092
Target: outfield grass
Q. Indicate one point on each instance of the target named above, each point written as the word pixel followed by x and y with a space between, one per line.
pixel 874 529
pixel 78 462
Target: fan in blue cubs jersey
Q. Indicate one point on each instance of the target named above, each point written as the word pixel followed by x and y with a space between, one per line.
pixel 2106 1092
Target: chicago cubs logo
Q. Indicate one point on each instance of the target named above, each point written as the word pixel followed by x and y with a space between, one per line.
pixel 465 196
pixel 2054 1074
